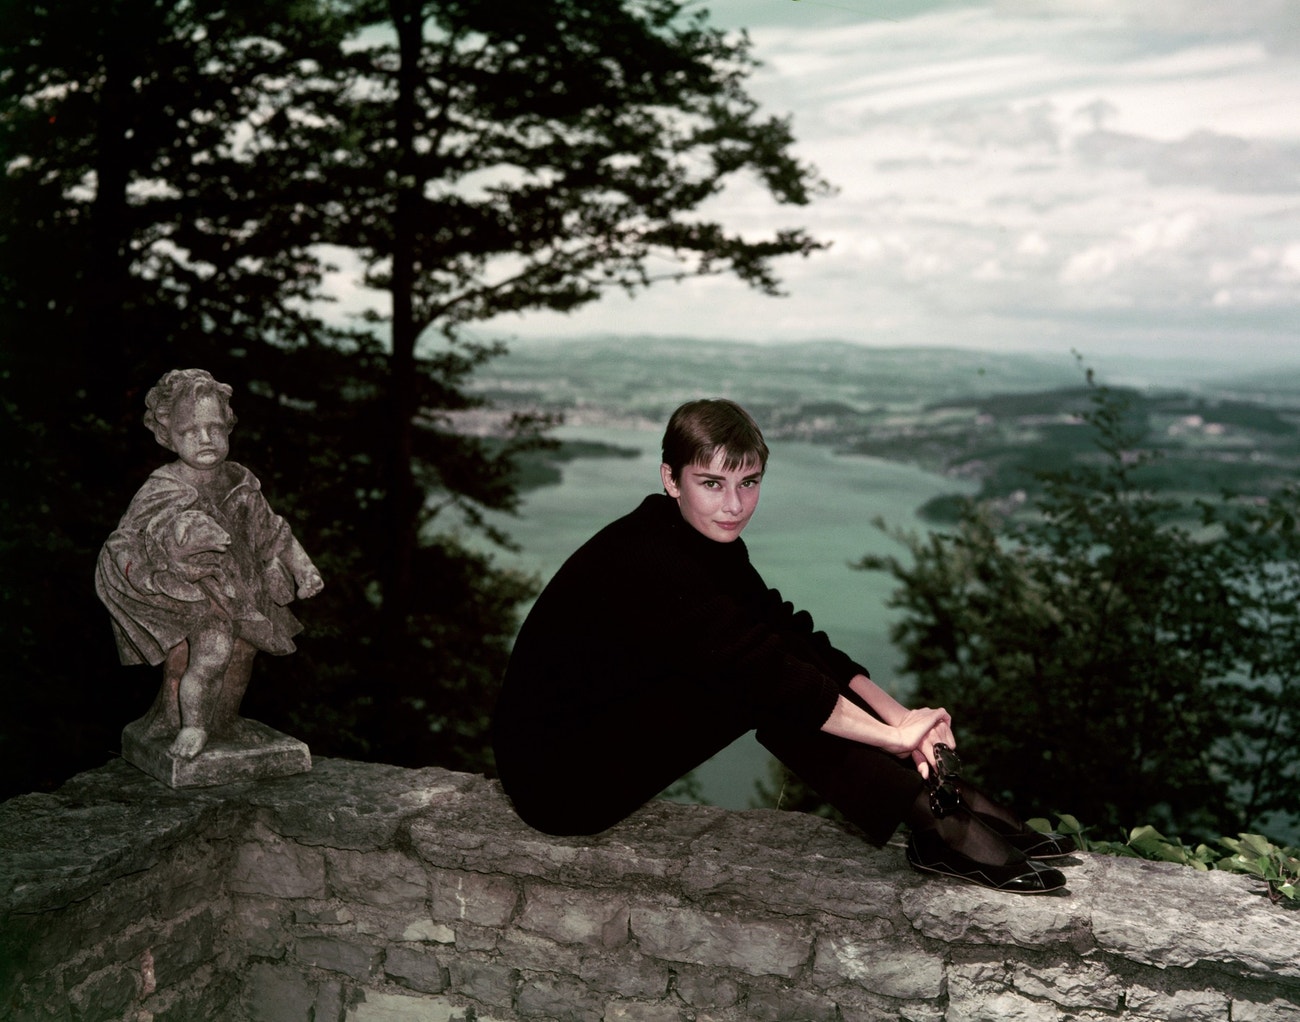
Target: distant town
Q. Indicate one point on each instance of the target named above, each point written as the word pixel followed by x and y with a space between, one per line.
pixel 996 419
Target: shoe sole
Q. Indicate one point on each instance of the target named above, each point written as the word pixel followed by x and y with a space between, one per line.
pixel 989 887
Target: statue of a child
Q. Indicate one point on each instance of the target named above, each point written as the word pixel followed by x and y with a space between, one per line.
pixel 199 571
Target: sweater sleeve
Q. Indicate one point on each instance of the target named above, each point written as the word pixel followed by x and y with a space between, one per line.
pixel 801 639
pixel 746 654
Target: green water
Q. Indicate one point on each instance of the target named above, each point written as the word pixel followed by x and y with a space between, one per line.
pixel 814 518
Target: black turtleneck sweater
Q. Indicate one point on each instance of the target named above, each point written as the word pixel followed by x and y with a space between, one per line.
pixel 650 619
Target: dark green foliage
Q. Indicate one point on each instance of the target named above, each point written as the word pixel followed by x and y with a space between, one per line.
pixel 1258 552
pixel 180 180
pixel 1092 650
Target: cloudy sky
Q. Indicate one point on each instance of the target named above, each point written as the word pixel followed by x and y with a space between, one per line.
pixel 1099 175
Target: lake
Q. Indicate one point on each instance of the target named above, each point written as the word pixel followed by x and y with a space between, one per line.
pixel 813 520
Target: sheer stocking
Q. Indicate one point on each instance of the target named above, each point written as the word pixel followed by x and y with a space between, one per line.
pixel 963 833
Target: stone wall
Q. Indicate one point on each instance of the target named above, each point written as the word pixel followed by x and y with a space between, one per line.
pixel 368 893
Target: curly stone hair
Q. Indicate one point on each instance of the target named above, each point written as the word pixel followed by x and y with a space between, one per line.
pixel 176 386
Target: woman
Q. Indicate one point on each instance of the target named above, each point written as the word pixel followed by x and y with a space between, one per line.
pixel 657 644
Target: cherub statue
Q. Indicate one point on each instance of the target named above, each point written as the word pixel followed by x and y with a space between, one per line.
pixel 198 574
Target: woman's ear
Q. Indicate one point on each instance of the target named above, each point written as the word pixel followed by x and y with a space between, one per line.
pixel 670 484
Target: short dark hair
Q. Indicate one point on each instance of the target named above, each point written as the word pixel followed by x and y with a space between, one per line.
pixel 698 430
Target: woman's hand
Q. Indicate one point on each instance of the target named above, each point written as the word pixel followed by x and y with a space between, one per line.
pixel 918 730
pixel 923 729
pixel 901 732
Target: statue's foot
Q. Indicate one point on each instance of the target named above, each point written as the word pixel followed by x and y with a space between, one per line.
pixel 189 742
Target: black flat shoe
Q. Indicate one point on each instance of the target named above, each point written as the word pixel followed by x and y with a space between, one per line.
pixel 927 853
pixel 1032 843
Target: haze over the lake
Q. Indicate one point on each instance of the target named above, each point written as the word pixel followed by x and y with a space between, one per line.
pixel 1111 176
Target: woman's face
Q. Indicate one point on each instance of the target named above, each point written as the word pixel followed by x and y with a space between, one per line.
pixel 715 501
pixel 199 433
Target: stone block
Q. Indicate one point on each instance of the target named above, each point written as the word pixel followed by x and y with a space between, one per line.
pixel 275 993
pixel 854 1010
pixel 967 1005
pixel 187 881
pixel 889 968
pixel 625 972
pixel 1142 911
pixel 638 1011
pixel 649 844
pixel 558 999
pixel 107 993
pixel 58 850
pixel 1274 1009
pixel 1170 1001
pixel 250 751
pixel 571 916
pixel 417 969
pixel 795 864
pixel 323 915
pixel 703 988
pixel 207 995
pixel 478 898
pixel 1074 987
pixel 477 938
pixel 369 804
pixel 384 1006
pixel 128 945
pixel 258 927
pixel 955 912
pixel 759 947
pixel 382 879
pixel 276 868
pixel 784 1003
pixel 531 952
pixel 336 954
pixel 484 982
pixel 188 944
pixel 34 944
pixel 429 932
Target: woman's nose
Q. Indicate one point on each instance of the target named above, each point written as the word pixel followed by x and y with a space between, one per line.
pixel 731 502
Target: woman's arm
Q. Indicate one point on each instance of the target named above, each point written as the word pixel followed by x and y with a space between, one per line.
pixel 899 731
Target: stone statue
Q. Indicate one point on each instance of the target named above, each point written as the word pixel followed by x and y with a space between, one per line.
pixel 197 577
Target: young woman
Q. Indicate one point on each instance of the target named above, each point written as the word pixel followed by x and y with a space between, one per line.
pixel 657 644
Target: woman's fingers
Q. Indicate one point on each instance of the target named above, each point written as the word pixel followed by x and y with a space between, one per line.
pixel 939 732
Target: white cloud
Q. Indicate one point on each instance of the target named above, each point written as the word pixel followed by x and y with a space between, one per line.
pixel 1019 173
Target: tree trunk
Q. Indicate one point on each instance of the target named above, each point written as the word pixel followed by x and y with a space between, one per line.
pixel 101 330
pixel 403 501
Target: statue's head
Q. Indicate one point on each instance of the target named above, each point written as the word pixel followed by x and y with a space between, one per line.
pixel 181 390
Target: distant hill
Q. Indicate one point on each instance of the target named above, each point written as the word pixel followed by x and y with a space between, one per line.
pixel 642 378
pixel 995 417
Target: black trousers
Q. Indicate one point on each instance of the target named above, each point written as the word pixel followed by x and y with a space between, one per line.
pixel 582 774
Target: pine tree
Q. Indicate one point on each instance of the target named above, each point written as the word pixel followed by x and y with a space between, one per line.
pixel 184 181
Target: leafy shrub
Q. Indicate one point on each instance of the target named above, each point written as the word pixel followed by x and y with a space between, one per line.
pixel 1104 650
pixel 1251 854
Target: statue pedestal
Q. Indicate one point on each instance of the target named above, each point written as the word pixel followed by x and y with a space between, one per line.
pixel 248 751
